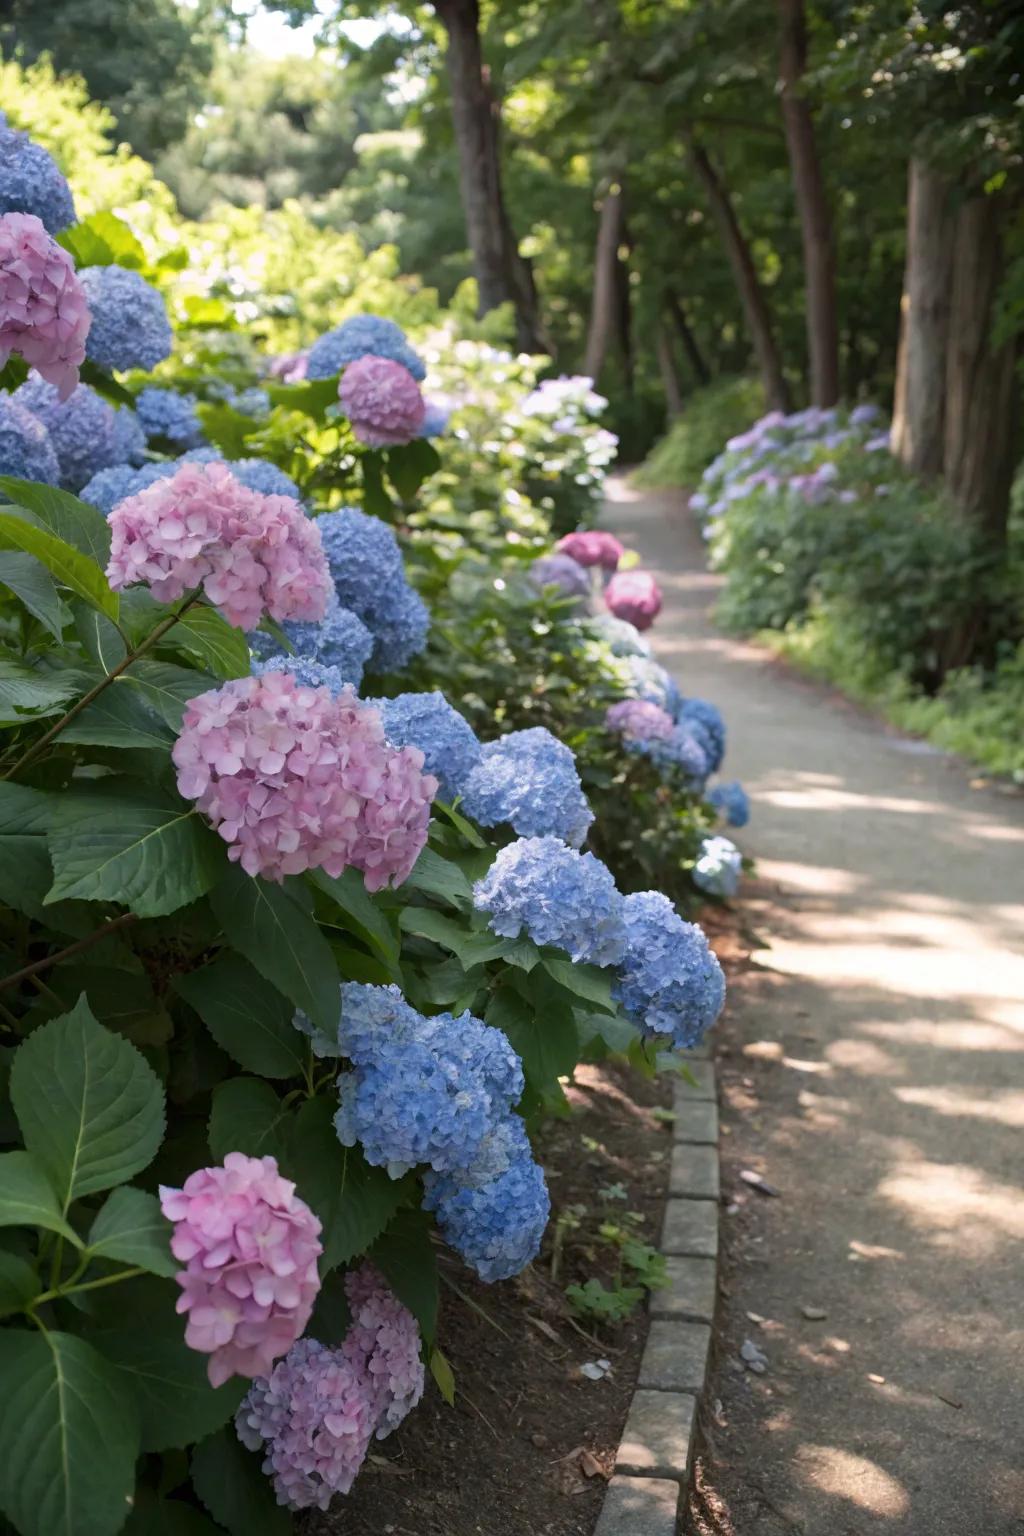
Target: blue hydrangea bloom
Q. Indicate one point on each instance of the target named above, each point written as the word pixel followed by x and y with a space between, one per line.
pixel 559 896
pixel 25 446
pixel 435 420
pixel 309 674
pixel 251 402
pixel 31 182
pixel 109 487
pixel 670 982
pixel 130 328
pixel 494 1220
pixel 709 717
pixel 82 428
pixel 529 779
pixel 354 338
pixel 165 413
pixel 105 490
pixel 447 740
pixel 340 642
pixel 687 749
pixel 129 438
pixel 369 577
pixel 649 680
pixel 258 475
pixel 731 799
pixel 718 867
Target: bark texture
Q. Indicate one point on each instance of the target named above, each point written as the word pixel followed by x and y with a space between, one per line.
pixel 812 207
pixel 604 300
pixel 684 331
pixel 918 416
pixel 669 372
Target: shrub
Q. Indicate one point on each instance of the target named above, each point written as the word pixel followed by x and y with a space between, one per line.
pixel 712 415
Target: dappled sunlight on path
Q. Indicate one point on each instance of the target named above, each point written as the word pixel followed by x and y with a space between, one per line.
pixel 878 1082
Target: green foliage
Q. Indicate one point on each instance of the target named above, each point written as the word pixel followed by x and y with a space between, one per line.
pixel 608 1237
pixel 711 417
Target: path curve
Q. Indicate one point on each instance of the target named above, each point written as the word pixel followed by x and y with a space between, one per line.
pixel 877 1078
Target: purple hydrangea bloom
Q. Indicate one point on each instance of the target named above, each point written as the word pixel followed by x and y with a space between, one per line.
pixel 563 572
pixel 559 896
pixel 670 982
pixel 529 780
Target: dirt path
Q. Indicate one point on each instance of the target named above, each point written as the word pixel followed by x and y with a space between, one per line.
pixel 875 1075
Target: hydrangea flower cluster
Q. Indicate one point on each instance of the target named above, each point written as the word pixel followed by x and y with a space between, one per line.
pixel 250 553
pixel 369 577
pixel 649 680
pixel 592 546
pixel 639 720
pixel 130 328
pixel 622 639
pixel 707 717
pixel 43 313
pixel 563 572
pixel 718 867
pixel 435 419
pixel 634 596
pixel 83 428
pixel 110 486
pixel 686 750
pixel 529 779
pixel 317 1411
pixel 559 896
pixel 25 446
pixel 129 438
pixel 249 1246
pixel 32 183
pixel 494 1212
pixel 670 982
pixel 362 336
pixel 447 740
pixel 165 413
pixel 341 644
pixel 382 401
pixel 294 779
pixel 730 798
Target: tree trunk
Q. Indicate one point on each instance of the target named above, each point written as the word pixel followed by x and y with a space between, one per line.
pixel 624 314
pixel 688 339
pixel 604 299
pixel 501 273
pixel 981 387
pixel 812 207
pixel 755 305
pixel 668 370
pixel 919 407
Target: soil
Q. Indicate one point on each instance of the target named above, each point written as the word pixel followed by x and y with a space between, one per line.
pixel 528 1446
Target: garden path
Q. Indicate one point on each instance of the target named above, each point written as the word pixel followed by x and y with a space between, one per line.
pixel 876 1078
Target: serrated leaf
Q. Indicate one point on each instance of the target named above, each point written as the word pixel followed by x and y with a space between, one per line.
pixel 439 877
pixel 19 1283
pixel 77 522
pixel 247 1116
pixel 28 1199
pixel 349 892
pixel 73 570
pixel 131 1227
pixel 230 1481
pixel 587 982
pixel 120 717
pixel 90 1107
pixel 249 1019
pixel 215 643
pixel 70 1435
pixel 140 848
pixel 167 688
pixel 176 1403
pixel 28 580
pixel 353 1200
pixel 27 692
pixel 265 924
pixel 541 1030
pixel 405 1256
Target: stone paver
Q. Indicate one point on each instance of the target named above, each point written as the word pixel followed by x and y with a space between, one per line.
pixel 694 1171
pixel 656 1440
pixel 690 1227
pixel 703 1086
pixel 696 1121
pixel 639 1506
pixel 675 1356
pixel 690 1292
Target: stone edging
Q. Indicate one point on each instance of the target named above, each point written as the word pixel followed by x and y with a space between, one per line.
pixel 653 1464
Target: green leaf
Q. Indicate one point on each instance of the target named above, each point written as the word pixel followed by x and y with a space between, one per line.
pixel 132 1228
pixel 120 717
pixel 19 1283
pixel 248 1019
pixel 167 688
pixel 70 1435
pixel 376 500
pixel 140 848
pixel 348 891
pixel 27 579
pixel 459 822
pixel 313 398
pixel 230 1481
pixel 101 639
pixel 215 643
pixel 443 1374
pixel 90 1107
pixel 439 877
pixel 28 1199
pixel 247 1116
pixel 541 1030
pixel 28 692
pixel 588 982
pixel 75 571
pixel 153 1516
pixel 102 239
pixel 77 522
pixel 25 872
pixel 405 1257
pixel 409 465
pixel 265 924
pixel 353 1200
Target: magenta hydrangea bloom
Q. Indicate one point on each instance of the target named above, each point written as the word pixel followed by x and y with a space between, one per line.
pixel 249 1246
pixel 639 720
pixel 634 596
pixel 382 401
pixel 294 778
pixel 252 554
pixel 593 546
pixel 43 312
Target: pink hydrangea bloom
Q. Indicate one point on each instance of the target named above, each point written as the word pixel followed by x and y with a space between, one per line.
pixel 640 720
pixel 319 1409
pixel 593 546
pixel 382 401
pixel 295 779
pixel 249 1246
pixel 43 312
pixel 634 596
pixel 251 553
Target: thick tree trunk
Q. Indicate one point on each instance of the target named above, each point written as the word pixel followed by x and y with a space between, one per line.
pixel 981 387
pixel 688 339
pixel 812 207
pixel 501 273
pixel 604 297
pixel 919 408
pixel 668 370
pixel 755 305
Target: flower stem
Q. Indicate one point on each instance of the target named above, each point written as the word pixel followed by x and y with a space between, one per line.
pixel 28 971
pixel 89 1285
